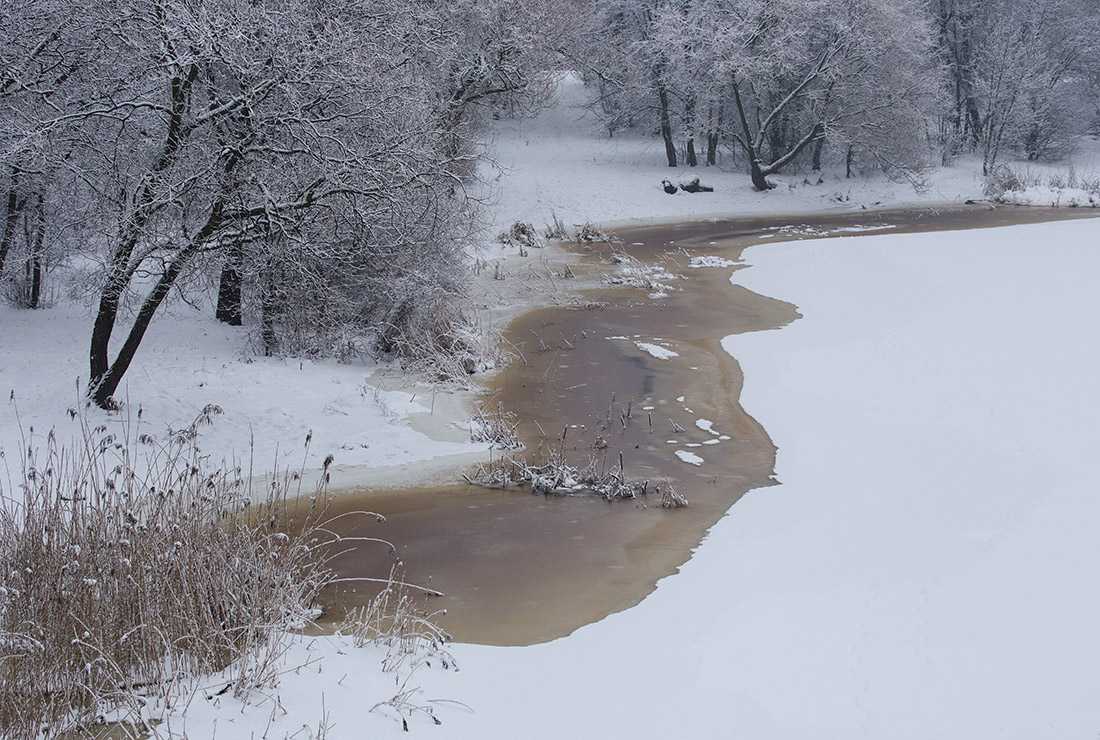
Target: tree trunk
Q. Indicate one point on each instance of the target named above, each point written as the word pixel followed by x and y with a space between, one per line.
pixel 759 179
pixel 712 139
pixel 10 221
pixel 34 258
pixel 817 154
pixel 268 308
pixel 229 289
pixel 689 124
pixel 666 125
pixel 848 162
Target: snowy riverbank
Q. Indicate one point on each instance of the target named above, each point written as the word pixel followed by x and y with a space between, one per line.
pixel 914 575
pixel 826 606
pixel 381 428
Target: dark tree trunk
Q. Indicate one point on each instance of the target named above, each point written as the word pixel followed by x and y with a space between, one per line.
pixel 818 147
pixel 229 289
pixel 712 149
pixel 666 125
pixel 269 306
pixel 15 206
pixel 759 179
pixel 712 139
pixel 689 123
pixel 34 256
pixel 848 158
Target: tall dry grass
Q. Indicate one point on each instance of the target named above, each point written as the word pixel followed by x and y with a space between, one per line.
pixel 130 567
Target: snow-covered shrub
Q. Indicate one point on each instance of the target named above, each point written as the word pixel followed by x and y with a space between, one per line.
pixel 521 235
pixel 1003 179
pixel 129 568
pixel 556 228
pixel 442 341
pixel 589 233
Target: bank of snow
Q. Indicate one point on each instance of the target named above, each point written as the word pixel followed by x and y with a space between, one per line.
pixel 563 163
pixel 922 571
pixel 188 360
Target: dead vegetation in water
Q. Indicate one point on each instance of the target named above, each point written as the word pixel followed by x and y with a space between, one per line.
pixel 497 427
pixel 553 475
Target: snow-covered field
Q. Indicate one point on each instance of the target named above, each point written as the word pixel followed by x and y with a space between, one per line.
pixel 563 163
pixel 923 571
pixel 189 360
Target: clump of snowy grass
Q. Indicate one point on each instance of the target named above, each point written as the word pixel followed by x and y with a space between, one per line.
pixel 670 497
pixel 497 427
pixel 655 279
pixel 521 235
pixel 129 568
pixel 447 346
pixel 706 261
pixel 588 233
pixel 1025 187
pixel 410 640
pixel 556 229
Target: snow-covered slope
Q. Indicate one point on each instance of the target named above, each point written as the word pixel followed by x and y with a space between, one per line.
pixel 925 570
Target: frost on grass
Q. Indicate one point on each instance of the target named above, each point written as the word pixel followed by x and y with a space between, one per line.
pixel 1023 187
pixel 655 279
pixel 131 571
pixel 498 428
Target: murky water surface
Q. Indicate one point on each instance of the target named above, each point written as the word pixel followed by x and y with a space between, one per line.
pixel 517 568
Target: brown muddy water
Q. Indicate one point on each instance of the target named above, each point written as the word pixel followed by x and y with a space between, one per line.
pixel 518 568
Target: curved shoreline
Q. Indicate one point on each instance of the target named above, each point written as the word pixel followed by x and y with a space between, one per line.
pixel 518 569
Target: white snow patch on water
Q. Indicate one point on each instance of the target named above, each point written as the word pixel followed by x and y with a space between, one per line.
pixel 706 425
pixel 656 350
pixel 710 261
pixel 689 457
pixel 858 228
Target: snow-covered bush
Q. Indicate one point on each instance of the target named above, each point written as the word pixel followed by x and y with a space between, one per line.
pixel 589 233
pixel 1003 179
pixel 556 229
pixel 521 235
pixel 129 568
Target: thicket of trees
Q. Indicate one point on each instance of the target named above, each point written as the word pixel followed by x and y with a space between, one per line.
pixel 302 163
pixel 305 156
pixel 887 84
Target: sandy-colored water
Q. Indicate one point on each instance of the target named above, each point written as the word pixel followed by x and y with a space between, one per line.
pixel 517 568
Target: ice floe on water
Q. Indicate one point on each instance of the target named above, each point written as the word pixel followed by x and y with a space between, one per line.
pixel 706 425
pixel 689 457
pixel 656 350
pixel 858 228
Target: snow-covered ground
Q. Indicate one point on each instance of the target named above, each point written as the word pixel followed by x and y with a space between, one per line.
pixel 563 163
pixel 923 571
pixel 189 360
pixel 559 163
